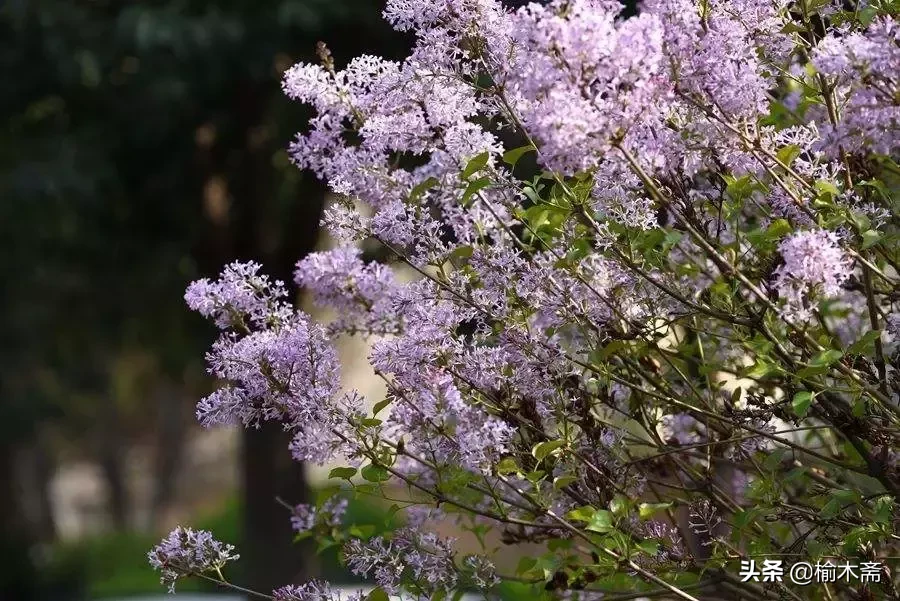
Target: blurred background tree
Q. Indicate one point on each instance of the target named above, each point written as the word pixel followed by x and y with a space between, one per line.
pixel 143 145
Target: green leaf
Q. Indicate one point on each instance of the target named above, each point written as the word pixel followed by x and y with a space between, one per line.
pixel 619 505
pixel 796 473
pixel 831 509
pixel 647 510
pixel 378 595
pixel 601 521
pixel 461 253
pixel 812 371
pixel 826 187
pixel 884 509
pixel 650 547
pixel 507 465
pixel 802 401
pixel 342 472
pixel 879 186
pixel 820 363
pixel 526 563
pixel 865 345
pixel 774 459
pixel 846 496
pixel 740 188
pixel 325 544
pixel 511 157
pixel 860 220
pixel 787 154
pixel 422 187
pixel 381 405
pixel 361 530
pixel 535 475
pixel 375 473
pixel 473 187
pixel 563 481
pixel 542 449
pixel 532 194
pixel 761 369
pixel 475 165
pixel 582 514
pixel 559 544
pixel 777 229
pixel 745 517
pixel 611 348
pixel 870 238
pixel 826 358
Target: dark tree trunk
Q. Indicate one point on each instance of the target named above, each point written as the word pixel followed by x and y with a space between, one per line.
pixel 171 430
pixel 37 463
pixel 269 556
pixel 112 463
pixel 17 573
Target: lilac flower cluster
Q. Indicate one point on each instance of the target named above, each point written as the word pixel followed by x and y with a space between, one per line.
pixel 427 558
pixel 305 517
pixel 186 552
pixel 241 297
pixel 315 590
pixel 276 364
pixel 640 245
pixel 814 265
pixel 360 293
pixel 863 67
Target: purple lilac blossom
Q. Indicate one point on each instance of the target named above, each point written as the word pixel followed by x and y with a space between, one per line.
pixel 507 337
pixel 240 294
pixel 360 293
pixel 814 265
pixel 186 552
pixel 315 590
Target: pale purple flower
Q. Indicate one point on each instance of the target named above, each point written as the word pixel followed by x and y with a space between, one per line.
pixel 315 590
pixel 303 517
pixel 671 547
pixel 865 66
pixel 704 520
pixel 681 428
pixel 526 322
pixel 582 77
pixel 481 571
pixel 186 552
pixel 290 373
pixel 239 298
pixel 377 557
pixel 419 555
pixel 814 265
pixel 751 444
pixel 619 196
pixel 345 223
pixel 360 293
pixel 428 557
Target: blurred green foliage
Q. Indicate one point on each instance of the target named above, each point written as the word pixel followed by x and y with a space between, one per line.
pixel 114 564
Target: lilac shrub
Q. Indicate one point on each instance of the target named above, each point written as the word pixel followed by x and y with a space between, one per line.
pixel 653 333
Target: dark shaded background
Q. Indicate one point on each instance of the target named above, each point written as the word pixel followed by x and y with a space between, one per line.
pixel 143 146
